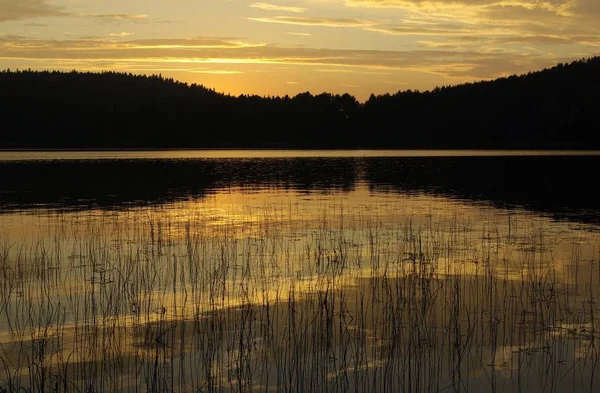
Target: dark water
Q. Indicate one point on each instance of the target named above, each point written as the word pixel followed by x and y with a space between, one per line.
pixel 299 271
pixel 561 185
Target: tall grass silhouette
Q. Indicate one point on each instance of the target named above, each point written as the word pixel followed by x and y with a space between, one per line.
pixel 292 302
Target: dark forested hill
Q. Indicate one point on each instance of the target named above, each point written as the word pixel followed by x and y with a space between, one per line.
pixel 553 108
pixel 557 107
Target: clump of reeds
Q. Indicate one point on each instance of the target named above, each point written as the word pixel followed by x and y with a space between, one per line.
pixel 328 302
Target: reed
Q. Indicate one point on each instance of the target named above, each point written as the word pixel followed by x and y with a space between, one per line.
pixel 290 301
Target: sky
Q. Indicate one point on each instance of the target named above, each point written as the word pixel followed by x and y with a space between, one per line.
pixel 279 47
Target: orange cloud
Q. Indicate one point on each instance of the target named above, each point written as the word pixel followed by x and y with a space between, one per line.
pixel 27 9
pixel 274 7
pixel 315 21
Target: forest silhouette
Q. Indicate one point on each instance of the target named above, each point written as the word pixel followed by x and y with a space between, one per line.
pixel 557 107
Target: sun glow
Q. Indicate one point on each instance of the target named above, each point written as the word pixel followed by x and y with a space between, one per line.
pixel 422 43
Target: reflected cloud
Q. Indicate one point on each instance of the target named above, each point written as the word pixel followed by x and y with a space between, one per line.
pixel 248 274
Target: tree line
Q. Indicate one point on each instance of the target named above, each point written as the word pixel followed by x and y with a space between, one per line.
pixel 557 107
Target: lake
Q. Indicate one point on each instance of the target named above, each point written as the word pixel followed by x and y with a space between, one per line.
pixel 299 271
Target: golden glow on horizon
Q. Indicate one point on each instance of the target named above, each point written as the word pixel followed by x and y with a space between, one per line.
pixel 419 44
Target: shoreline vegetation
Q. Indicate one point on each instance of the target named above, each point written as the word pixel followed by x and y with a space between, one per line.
pixel 556 108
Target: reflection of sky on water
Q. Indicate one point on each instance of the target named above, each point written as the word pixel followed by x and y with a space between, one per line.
pixel 551 182
pixel 315 289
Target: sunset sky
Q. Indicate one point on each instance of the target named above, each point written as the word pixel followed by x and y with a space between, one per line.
pixel 290 46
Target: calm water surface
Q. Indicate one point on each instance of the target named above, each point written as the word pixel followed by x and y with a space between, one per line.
pixel 299 271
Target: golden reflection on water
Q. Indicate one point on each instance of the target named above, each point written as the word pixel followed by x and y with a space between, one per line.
pixel 242 154
pixel 269 289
